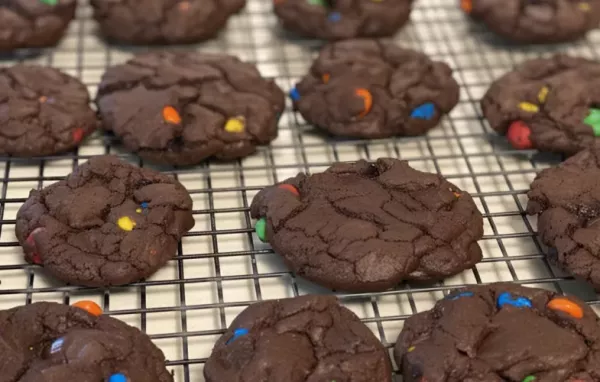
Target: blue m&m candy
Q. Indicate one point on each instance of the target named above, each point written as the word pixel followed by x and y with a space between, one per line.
pixel 425 111
pixel 118 377
pixel 294 94
pixel 237 333
pixel 56 345
pixel 506 298
pixel 460 295
pixel 334 17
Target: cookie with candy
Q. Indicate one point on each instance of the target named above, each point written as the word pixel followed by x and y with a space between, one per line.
pixel 501 332
pixel 374 89
pixel 49 342
pixel 549 104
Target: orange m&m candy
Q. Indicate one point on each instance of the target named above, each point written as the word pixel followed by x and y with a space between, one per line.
pixel 567 306
pixel 367 99
pixel 89 306
pixel 290 188
pixel 183 6
pixel 466 5
pixel 170 115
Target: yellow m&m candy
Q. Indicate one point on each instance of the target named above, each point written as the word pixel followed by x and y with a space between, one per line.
pixel 235 125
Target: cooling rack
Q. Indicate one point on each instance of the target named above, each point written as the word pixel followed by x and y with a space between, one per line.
pixel 221 266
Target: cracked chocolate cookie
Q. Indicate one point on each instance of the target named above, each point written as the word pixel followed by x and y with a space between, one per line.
pixel 550 104
pixel 374 89
pixel 301 339
pixel 541 21
pixel 49 342
pixel 566 199
pixel 108 223
pixel 163 21
pixel 501 332
pixel 42 111
pixel 33 23
pixel 181 108
pixel 343 19
pixel 366 227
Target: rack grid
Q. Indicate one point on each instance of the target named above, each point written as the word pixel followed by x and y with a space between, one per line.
pixel 221 266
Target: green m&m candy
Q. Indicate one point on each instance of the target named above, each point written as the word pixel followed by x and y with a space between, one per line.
pixel 260 228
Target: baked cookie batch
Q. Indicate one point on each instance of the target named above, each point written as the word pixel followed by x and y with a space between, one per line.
pixel 356 227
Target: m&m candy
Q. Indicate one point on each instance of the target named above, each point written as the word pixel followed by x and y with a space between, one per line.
pixel 126 223
pixel 170 115
pixel 77 135
pixel 367 100
pixel 334 17
pixel 294 94
pixel 425 111
pixel 593 120
pixel 506 298
pixel 235 125
pixel 237 333
pixel 89 306
pixel 518 135
pixel 529 107
pixel 567 306
pixel 118 377
pixel 56 345
pixel 260 228
pixel 460 295
pixel 466 5
pixel 290 188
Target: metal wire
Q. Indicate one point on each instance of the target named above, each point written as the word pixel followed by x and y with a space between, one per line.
pixel 221 266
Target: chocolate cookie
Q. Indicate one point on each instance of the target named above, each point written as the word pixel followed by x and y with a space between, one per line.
pixel 163 21
pixel 551 104
pixel 566 199
pixel 542 21
pixel 301 339
pixel 343 19
pixel 107 223
pixel 501 332
pixel 33 23
pixel 42 111
pixel 367 227
pixel 375 89
pixel 181 108
pixel 49 342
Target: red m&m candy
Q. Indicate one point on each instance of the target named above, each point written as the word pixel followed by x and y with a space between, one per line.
pixel 518 135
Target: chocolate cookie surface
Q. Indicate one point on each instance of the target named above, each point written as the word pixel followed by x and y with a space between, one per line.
pixel 181 108
pixel 107 223
pixel 367 227
pixel 343 19
pixel 373 89
pixel 550 104
pixel 33 23
pixel 301 339
pixel 49 342
pixel 526 21
pixel 566 199
pixel 501 332
pixel 163 21
pixel 42 111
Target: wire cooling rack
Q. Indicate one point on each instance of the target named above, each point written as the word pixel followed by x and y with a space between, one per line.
pixel 221 266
